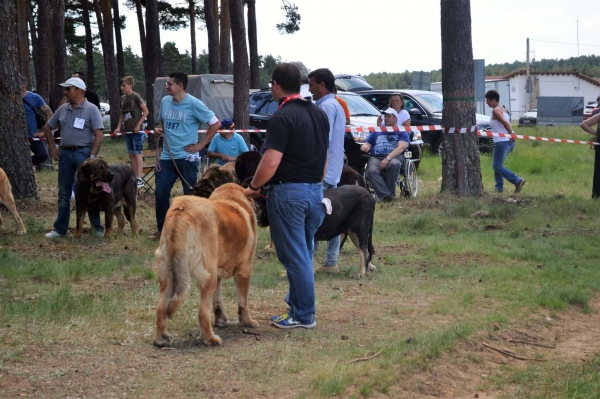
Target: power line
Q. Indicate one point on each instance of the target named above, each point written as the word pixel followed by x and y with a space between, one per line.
pixel 574 44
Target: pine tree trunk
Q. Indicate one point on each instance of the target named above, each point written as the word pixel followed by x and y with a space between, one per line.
pixel 15 157
pixel 461 169
pixel 34 45
pixel 110 63
pixel 241 71
pixel 140 19
pixel 192 8
pixel 22 35
pixel 212 29
pixel 118 41
pixel 253 44
pixel 42 73
pixel 89 45
pixel 152 61
pixel 225 40
pixel 60 52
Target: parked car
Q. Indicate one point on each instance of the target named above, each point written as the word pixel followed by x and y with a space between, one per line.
pixel 425 108
pixel 362 113
pixel 590 110
pixel 529 118
pixel 351 83
pixel 105 113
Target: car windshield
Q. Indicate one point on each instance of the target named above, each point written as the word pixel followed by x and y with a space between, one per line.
pixel 432 101
pixel 351 82
pixel 358 106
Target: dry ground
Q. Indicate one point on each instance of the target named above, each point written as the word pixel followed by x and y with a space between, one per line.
pixel 117 359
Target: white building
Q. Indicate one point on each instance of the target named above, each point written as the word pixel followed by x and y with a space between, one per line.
pixel 544 84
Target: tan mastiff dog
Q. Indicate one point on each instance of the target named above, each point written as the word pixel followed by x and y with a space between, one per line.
pixel 7 201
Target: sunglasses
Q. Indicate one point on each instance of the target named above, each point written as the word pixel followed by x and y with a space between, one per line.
pixel 270 83
pixel 169 84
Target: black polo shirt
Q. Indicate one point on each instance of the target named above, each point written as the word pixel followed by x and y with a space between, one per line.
pixel 299 130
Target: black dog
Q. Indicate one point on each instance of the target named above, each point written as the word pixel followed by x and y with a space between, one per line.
pixel 107 189
pixel 353 213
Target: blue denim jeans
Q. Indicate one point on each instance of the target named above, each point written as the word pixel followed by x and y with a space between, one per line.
pixel 501 151
pixel 68 162
pixel 40 152
pixel 333 245
pixel 295 213
pixel 166 178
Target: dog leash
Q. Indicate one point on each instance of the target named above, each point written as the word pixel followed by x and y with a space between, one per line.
pixel 174 163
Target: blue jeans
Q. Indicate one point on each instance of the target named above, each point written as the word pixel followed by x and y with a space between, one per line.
pixel 68 162
pixel 295 213
pixel 40 152
pixel 135 142
pixel 333 245
pixel 165 179
pixel 501 151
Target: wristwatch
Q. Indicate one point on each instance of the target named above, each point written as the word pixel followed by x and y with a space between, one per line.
pixel 92 156
pixel 252 188
pixel 388 158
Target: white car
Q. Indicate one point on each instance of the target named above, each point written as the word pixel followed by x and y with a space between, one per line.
pixel 105 113
pixel 589 109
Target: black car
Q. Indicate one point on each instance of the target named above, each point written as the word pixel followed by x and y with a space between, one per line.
pixel 352 83
pixel 529 118
pixel 362 113
pixel 425 108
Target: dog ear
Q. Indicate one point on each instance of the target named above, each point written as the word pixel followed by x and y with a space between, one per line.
pixel 83 171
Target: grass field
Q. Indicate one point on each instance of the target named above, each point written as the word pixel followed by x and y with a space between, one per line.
pixel 494 296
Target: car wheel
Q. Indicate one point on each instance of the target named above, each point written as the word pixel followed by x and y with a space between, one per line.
pixel 438 148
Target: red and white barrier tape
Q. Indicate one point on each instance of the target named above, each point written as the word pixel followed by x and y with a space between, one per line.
pixel 360 132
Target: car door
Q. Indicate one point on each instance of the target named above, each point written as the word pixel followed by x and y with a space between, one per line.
pixel 262 107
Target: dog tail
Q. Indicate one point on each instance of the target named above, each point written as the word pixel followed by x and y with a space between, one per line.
pixel 126 213
pixel 174 277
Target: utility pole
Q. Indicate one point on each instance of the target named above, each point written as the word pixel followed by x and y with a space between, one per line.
pixel 528 78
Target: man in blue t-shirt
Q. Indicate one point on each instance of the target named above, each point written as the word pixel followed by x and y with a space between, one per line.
pixel 226 146
pixel 180 117
pixel 386 151
pixel 34 104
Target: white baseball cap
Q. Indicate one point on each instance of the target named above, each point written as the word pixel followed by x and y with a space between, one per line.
pixel 74 82
pixel 391 111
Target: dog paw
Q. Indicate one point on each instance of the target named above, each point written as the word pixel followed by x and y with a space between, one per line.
pixel 215 340
pixel 371 268
pixel 163 342
pixel 21 232
pixel 249 323
pixel 359 275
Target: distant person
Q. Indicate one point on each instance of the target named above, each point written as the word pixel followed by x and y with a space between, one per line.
pixel 396 102
pixel 133 113
pixel 586 125
pixel 344 105
pixel 500 123
pixel 321 86
pixel 386 150
pixel 180 117
pixel 91 96
pixel 35 109
pixel 81 136
pixel 226 146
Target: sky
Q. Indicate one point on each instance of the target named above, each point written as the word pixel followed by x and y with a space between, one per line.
pixel 362 37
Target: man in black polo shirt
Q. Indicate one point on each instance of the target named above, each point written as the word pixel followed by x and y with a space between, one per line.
pixel 293 165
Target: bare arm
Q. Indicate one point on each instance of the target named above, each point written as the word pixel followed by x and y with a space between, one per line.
pixel 587 124
pixel 50 141
pixel 118 129
pixel 212 130
pixel 499 116
pixel 98 137
pixel 145 113
pixel 265 171
pixel 379 120
pixel 45 109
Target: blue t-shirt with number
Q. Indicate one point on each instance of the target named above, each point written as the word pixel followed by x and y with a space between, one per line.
pixel 382 143
pixel 181 122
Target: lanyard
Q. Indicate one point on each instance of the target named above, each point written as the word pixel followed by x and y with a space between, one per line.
pixel 289 98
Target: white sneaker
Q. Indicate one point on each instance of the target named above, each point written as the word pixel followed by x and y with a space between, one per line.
pixel 140 183
pixel 72 195
pixel 52 234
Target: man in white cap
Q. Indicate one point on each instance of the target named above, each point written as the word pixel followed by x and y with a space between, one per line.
pixel 386 151
pixel 81 135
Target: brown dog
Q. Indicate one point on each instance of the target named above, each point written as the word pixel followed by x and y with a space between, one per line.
pixel 206 240
pixel 106 188
pixel 7 201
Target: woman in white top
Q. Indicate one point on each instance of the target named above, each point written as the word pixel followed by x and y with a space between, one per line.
pixel 502 145
pixel 586 125
pixel 397 103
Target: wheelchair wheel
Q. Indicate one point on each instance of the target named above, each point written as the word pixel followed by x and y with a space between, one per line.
pixel 411 182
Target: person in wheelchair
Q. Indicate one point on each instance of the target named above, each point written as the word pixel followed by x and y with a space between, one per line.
pixel 386 158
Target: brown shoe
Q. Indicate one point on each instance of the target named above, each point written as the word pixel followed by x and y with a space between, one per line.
pixel 328 269
pixel 156 235
pixel 519 186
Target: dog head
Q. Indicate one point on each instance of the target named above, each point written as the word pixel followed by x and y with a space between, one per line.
pixel 213 177
pixel 95 172
pixel 260 204
pixel 246 164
